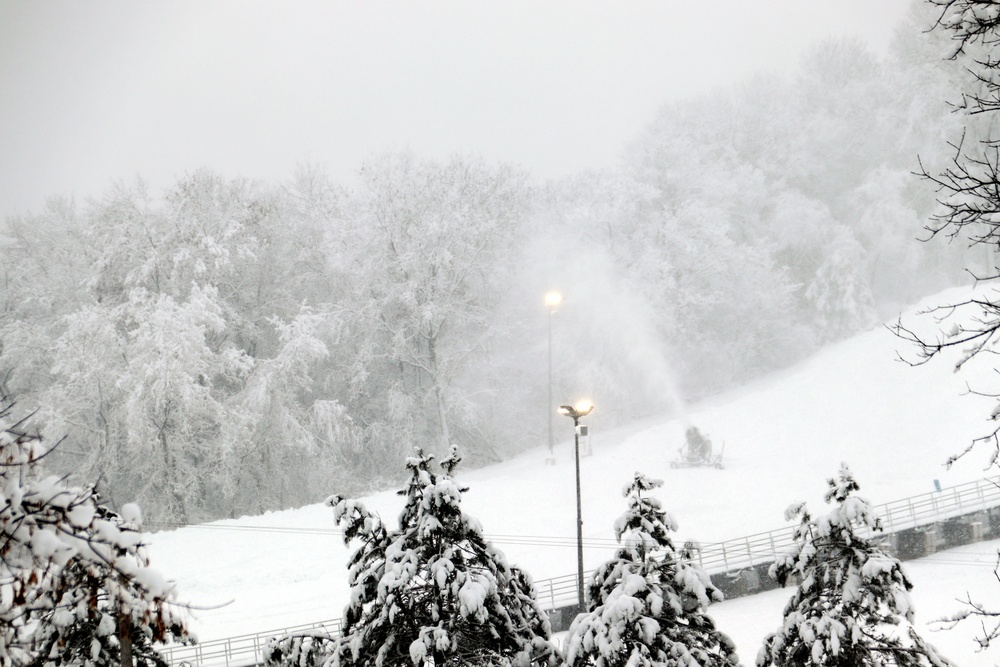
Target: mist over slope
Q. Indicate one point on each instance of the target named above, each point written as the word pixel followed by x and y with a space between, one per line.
pixel 784 435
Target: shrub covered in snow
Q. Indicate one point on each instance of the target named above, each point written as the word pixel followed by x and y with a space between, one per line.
pixel 298 651
pixel 74 578
pixel 434 589
pixel 647 604
pixel 851 605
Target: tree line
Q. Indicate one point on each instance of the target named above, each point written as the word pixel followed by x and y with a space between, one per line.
pixel 228 346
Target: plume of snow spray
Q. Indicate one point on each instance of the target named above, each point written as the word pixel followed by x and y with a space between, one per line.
pixel 625 324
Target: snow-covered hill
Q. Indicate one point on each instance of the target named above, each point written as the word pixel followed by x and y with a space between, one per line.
pixel 855 402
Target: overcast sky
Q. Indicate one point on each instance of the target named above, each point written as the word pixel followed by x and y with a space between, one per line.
pixel 92 92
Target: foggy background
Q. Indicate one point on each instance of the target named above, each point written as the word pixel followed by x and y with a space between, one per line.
pixel 102 91
pixel 253 254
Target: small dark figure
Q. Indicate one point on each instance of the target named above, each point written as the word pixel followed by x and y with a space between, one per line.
pixel 698 445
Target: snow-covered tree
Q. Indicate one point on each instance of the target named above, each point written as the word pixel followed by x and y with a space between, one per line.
pixel 434 242
pixel 172 407
pixel 87 627
pixel 968 192
pixel 434 591
pixel 647 604
pixel 298 650
pixel 76 587
pixel 43 267
pixel 851 606
pixel 968 195
pixel 280 422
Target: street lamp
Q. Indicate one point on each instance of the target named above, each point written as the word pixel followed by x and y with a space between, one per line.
pixel 581 409
pixel 552 301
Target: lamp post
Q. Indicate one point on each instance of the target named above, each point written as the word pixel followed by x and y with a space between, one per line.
pixel 581 409
pixel 552 301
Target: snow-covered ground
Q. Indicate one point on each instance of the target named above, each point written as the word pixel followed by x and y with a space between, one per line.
pixel 784 435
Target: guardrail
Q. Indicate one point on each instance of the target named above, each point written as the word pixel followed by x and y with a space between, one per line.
pixel 716 557
pixel 240 651
pixel 896 516
pixel 745 552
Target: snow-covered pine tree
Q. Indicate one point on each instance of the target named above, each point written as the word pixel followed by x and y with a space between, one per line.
pixel 435 591
pixel 851 606
pixel 647 604
pixel 70 569
pixel 85 627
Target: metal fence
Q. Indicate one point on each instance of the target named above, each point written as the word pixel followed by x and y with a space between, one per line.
pixel 717 557
pixel 745 552
pixel 240 651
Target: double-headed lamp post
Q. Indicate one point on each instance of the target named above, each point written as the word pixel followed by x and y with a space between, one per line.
pixel 552 301
pixel 581 409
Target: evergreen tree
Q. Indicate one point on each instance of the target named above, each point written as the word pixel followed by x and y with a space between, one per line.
pixel 85 626
pixel 851 606
pixel 75 583
pixel 434 591
pixel 647 604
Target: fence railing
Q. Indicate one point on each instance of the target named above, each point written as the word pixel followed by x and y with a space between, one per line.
pixel 561 591
pixel 242 650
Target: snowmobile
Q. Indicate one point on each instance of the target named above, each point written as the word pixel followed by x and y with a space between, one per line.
pixel 697 452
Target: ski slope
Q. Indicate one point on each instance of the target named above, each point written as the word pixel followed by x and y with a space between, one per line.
pixel 784 435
